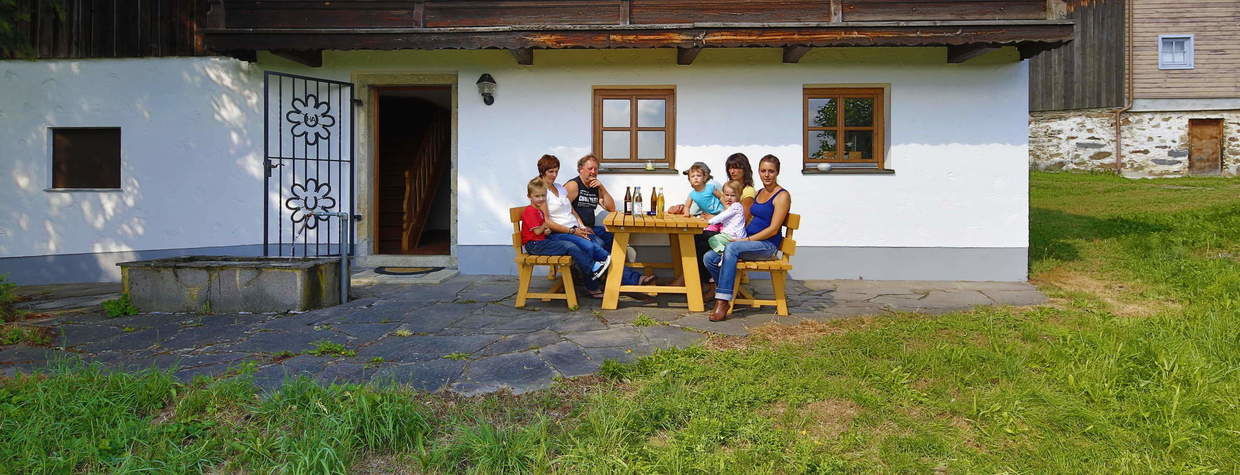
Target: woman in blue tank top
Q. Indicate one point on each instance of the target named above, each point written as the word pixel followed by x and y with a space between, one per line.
pixel 768 212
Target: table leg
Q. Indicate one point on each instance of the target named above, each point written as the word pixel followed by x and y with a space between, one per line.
pixel 677 265
pixel 611 295
pixel 688 264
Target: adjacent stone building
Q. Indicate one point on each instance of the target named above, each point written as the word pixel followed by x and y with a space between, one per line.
pixel 1166 74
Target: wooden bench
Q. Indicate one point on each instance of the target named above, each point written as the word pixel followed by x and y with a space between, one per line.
pixel 778 269
pixel 526 264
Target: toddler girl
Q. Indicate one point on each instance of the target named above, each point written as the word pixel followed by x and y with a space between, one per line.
pixel 705 197
pixel 730 224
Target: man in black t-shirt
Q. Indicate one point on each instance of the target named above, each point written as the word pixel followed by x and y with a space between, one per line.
pixel 586 193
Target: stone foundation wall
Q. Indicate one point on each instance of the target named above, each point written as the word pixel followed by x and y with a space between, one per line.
pixel 1155 144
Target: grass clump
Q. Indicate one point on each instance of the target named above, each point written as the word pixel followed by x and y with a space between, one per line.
pixel 644 320
pixel 8 297
pixel 12 334
pixel 403 333
pixel 456 356
pixel 119 307
pixel 329 348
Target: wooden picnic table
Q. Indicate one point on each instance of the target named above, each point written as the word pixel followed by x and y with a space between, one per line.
pixel 679 230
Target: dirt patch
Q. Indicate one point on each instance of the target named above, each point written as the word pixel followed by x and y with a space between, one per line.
pixel 807 330
pixel 387 463
pixel 719 342
pixel 825 419
pixel 1121 298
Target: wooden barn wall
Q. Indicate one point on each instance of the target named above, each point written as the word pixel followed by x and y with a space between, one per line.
pixel 1089 71
pixel 113 28
pixel 1215 25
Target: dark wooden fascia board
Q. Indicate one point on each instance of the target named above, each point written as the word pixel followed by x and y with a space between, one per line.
pixel 793 54
pixel 685 56
pixel 308 57
pixel 962 53
pixel 524 56
pixel 1050 33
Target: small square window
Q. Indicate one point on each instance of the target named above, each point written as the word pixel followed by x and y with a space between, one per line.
pixel 635 126
pixel 844 127
pixel 86 158
pixel 1175 52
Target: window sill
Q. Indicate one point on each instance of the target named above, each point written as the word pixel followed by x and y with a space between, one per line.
pixel 848 171
pixel 71 190
pixel 638 171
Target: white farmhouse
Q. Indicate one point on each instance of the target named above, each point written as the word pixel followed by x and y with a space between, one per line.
pixel 215 128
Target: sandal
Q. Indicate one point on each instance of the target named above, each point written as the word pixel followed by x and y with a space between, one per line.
pixel 595 294
pixel 646 280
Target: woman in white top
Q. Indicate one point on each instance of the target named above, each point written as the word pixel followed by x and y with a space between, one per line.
pixel 562 218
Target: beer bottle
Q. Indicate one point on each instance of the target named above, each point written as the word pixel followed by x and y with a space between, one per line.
pixel 654 201
pixel 637 200
pixel 628 200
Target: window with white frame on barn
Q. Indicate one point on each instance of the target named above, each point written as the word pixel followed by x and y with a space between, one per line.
pixel 635 128
pixel 843 127
pixel 1175 52
pixel 86 159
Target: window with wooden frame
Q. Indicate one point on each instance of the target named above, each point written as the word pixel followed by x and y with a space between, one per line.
pixel 86 158
pixel 844 127
pixel 635 126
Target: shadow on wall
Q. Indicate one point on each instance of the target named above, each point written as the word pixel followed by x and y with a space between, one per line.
pixel 171 190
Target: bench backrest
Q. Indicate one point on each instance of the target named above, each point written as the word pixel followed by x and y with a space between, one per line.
pixel 514 215
pixel 789 245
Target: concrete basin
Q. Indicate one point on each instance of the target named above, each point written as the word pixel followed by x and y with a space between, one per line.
pixel 210 284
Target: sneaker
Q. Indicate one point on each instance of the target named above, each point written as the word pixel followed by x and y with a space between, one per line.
pixel 601 267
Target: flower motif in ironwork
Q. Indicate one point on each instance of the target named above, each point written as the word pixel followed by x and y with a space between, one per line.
pixel 311 119
pixel 308 198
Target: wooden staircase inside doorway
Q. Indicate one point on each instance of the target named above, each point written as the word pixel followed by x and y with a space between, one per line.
pixel 414 160
pixel 422 179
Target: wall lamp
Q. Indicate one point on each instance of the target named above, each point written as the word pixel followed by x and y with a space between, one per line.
pixel 486 87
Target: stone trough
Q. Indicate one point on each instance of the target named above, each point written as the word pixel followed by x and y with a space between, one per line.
pixel 210 284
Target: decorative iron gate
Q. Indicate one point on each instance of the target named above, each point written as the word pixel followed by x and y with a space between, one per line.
pixel 308 158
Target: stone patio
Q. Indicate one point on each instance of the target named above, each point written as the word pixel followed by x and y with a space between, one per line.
pixel 462 335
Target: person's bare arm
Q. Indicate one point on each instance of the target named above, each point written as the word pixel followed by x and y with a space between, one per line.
pixel 783 203
pixel 573 191
pixel 604 197
pixel 745 204
pixel 554 226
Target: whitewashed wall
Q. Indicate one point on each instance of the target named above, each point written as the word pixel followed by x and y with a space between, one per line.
pixel 190 140
pixel 192 128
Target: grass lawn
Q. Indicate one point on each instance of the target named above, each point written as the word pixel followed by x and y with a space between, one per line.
pixel 1134 366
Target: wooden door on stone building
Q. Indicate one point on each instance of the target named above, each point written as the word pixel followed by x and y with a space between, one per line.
pixel 1205 146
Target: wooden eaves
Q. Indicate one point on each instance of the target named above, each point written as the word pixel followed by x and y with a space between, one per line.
pixel 966 38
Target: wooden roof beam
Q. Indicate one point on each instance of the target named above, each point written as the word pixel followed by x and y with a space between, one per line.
pixel 524 56
pixel 685 56
pixel 308 57
pixel 962 53
pixel 793 54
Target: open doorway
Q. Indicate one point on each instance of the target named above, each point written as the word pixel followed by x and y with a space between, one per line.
pixel 413 179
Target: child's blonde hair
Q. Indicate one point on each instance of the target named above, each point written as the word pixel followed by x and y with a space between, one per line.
pixel 535 185
pixel 736 186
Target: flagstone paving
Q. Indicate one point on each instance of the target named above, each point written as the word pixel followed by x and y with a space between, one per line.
pixel 462 335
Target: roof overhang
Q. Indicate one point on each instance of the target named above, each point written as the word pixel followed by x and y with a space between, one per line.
pixel 1030 36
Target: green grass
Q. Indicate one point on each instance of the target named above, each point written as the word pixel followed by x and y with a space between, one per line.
pixel 122 307
pixel 7 299
pixel 1134 367
pixel 644 320
pixel 11 334
pixel 329 348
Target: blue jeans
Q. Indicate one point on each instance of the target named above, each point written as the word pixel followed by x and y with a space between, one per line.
pixel 581 258
pixel 596 252
pixel 602 237
pixel 723 267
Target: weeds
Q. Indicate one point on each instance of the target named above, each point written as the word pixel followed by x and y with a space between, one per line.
pixel 119 307
pixel 7 298
pixel 330 348
pixel 403 333
pixel 456 356
pixel 644 320
pixel 12 334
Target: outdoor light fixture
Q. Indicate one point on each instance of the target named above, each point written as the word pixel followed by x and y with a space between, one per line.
pixel 486 87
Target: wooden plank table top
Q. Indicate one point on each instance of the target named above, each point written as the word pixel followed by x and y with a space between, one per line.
pixel 679 230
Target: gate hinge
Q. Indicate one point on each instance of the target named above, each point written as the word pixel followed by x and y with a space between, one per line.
pixel 358 102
